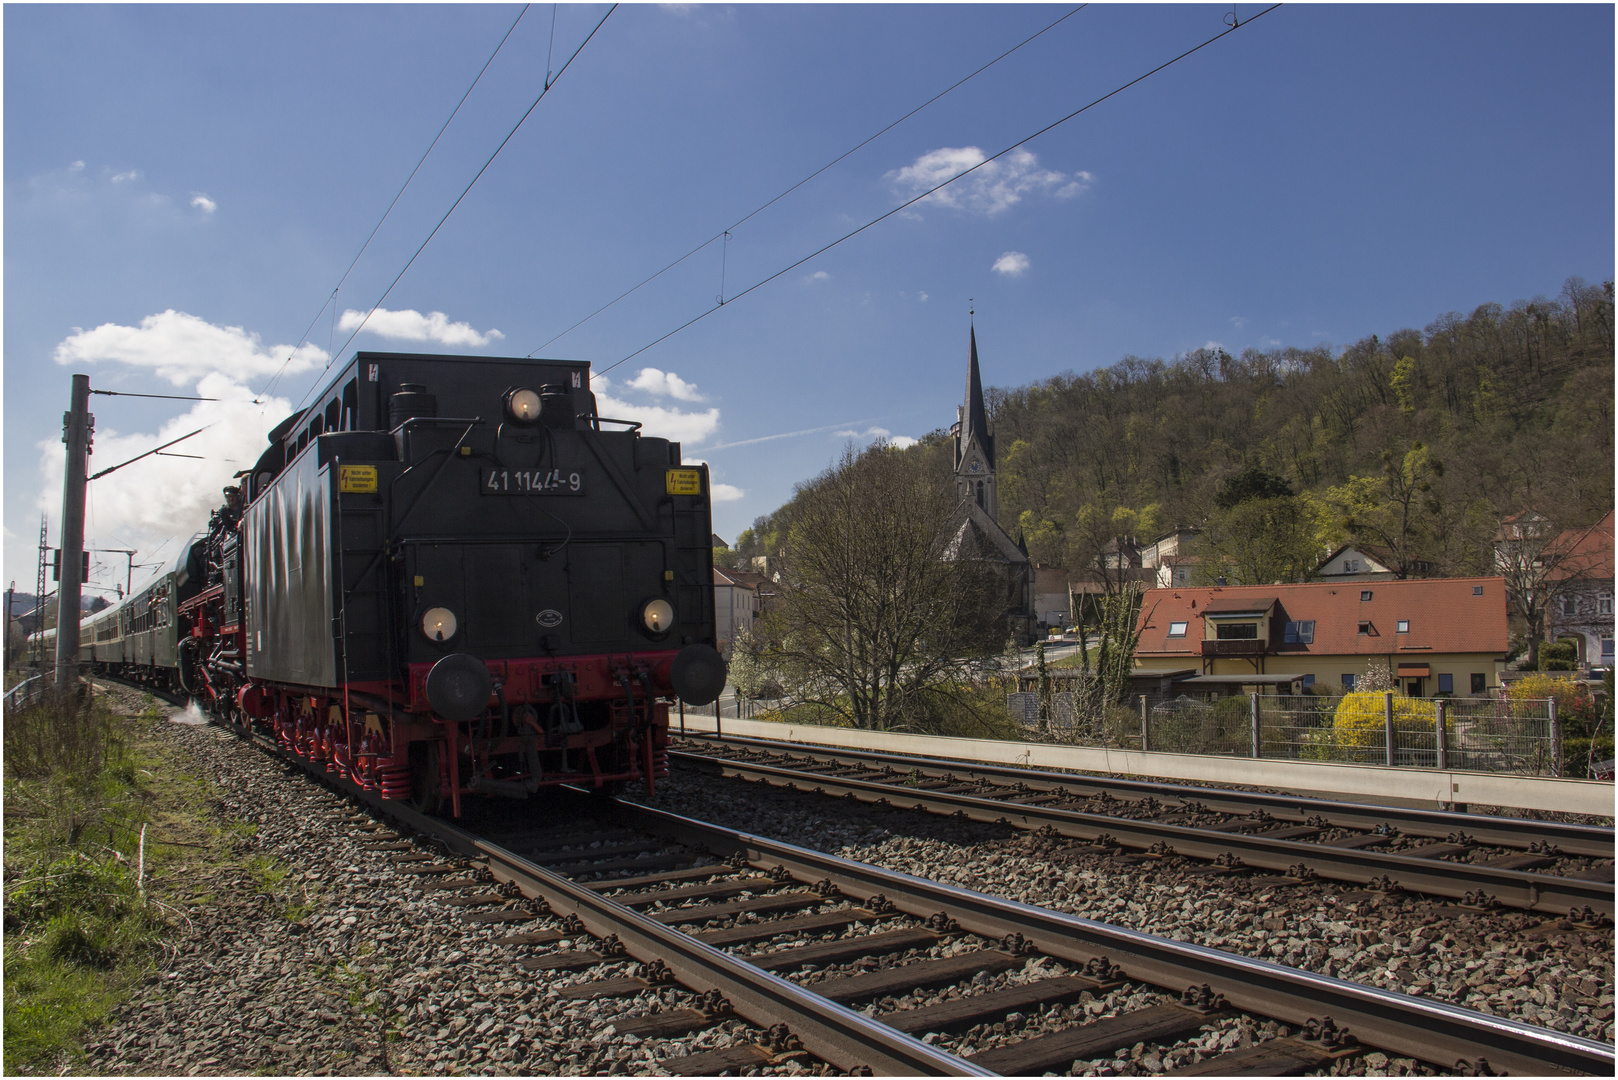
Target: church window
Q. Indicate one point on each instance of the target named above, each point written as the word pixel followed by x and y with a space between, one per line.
pixel 980 494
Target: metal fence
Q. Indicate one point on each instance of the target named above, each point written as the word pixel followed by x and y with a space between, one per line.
pixel 1478 734
pixel 25 692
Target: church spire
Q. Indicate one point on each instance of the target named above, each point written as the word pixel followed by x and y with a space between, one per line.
pixel 974 420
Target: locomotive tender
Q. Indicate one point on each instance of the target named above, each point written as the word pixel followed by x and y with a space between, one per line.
pixel 448 576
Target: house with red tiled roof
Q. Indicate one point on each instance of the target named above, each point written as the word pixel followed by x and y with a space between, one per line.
pixel 1583 581
pixel 1438 636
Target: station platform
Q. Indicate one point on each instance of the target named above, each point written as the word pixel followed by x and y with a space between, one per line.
pixel 1379 784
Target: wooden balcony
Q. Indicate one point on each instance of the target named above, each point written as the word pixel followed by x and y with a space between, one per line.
pixel 1234 647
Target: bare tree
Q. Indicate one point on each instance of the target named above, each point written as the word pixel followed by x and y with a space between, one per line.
pixel 884 612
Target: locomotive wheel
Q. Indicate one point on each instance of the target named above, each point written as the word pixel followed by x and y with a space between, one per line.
pixel 426 795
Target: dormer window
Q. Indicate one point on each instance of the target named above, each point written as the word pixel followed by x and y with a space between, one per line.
pixel 1404 626
pixel 1365 594
pixel 1301 632
pixel 1351 566
pixel 1366 629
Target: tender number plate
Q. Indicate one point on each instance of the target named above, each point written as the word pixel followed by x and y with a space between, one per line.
pixel 530 482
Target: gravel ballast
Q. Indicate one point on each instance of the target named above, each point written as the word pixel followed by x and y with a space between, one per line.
pixel 306 953
pixel 346 966
pixel 1503 963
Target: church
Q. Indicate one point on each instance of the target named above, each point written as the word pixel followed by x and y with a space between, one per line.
pixel 975 529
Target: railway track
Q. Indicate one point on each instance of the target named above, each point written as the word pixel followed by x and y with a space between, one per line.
pixel 1480 861
pixel 791 940
pixel 952 981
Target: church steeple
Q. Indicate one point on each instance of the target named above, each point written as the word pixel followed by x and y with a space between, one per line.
pixel 974 421
pixel 974 443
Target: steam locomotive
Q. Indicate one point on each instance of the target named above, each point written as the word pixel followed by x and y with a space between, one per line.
pixel 449 576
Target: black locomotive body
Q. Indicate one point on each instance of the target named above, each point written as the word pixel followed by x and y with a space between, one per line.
pixel 451 575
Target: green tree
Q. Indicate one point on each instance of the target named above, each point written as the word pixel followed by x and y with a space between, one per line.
pixel 1397 512
pixel 1252 483
pixel 1261 542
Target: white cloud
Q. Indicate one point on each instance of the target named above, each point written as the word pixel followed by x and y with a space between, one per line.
pixel 1211 344
pixel 1011 264
pixel 663 384
pixel 900 441
pixel 77 166
pixel 182 348
pixel 923 297
pixel 203 203
pixel 818 275
pixel 132 174
pixel 1271 342
pixel 412 325
pixel 672 424
pixel 1238 322
pixel 666 423
pixel 991 189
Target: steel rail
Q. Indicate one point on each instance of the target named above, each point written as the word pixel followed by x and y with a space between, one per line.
pixel 830 1031
pixel 1440 1034
pixel 1592 841
pixel 1516 888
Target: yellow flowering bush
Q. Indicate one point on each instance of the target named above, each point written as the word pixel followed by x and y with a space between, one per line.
pixel 1359 720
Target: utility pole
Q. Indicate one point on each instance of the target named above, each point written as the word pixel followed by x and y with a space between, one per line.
pixel 11 598
pixel 76 427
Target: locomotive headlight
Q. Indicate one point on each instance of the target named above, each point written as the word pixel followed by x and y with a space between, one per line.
pixel 658 615
pixel 438 624
pixel 523 406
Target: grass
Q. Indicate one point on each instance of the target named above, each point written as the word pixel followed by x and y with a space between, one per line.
pixel 78 929
pixel 87 905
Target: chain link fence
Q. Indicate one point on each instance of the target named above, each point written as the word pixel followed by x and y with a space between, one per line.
pixel 1484 734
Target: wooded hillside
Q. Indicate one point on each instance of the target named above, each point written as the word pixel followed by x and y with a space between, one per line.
pixel 1416 443
pixel 1428 436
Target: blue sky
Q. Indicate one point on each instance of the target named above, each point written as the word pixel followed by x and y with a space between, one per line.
pixel 185 186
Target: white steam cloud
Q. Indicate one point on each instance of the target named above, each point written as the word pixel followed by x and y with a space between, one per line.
pixel 164 499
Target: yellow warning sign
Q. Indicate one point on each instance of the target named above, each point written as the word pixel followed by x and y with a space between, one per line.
pixel 684 481
pixel 356 478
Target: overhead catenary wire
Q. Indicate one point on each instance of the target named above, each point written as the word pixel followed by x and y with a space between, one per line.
pixel 331 300
pixel 724 234
pixel 937 187
pixel 464 191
